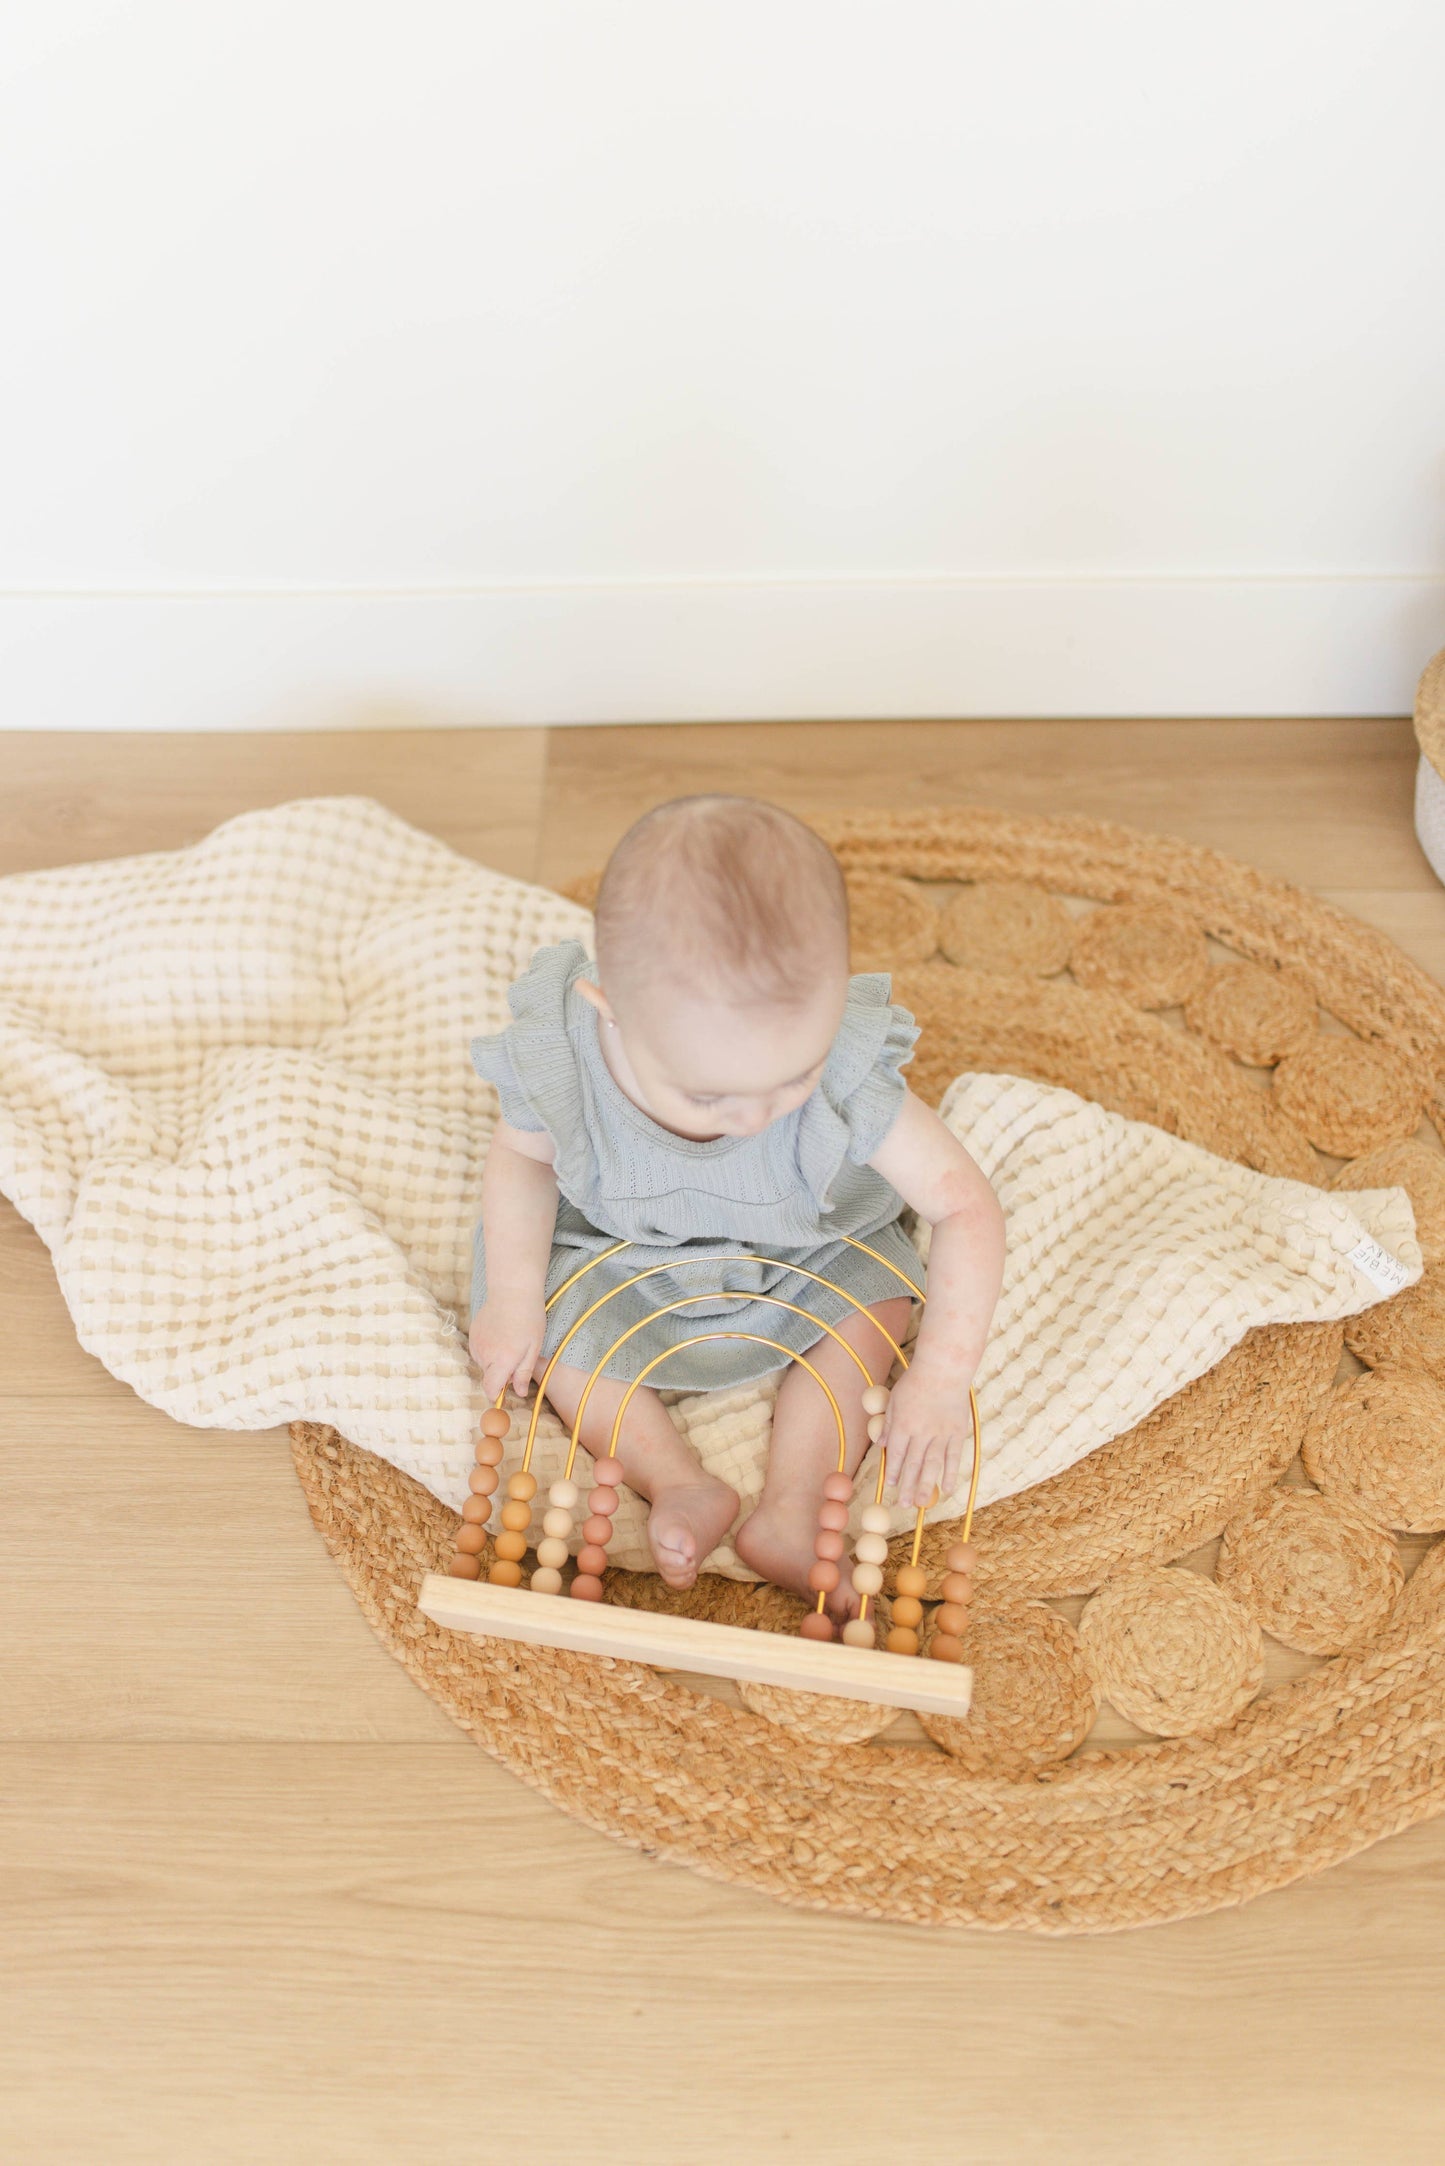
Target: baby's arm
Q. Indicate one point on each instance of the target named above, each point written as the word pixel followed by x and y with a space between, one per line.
pixel 928 1419
pixel 519 1211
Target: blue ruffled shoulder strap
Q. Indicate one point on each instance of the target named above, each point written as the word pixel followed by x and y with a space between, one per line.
pixel 533 1062
pixel 862 1091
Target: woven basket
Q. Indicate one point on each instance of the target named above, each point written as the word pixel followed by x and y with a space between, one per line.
pixel 1430 774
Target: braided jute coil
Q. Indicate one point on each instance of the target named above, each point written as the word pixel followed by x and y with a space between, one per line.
pixel 1379 1442
pixel 1314 1572
pixel 1348 1097
pixel 1034 1696
pixel 1009 927
pixel 891 921
pixel 1171 1650
pixel 1257 1015
pixel 1149 958
pixel 1311 1771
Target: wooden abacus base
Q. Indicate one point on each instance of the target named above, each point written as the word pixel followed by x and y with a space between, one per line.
pixel 687 1643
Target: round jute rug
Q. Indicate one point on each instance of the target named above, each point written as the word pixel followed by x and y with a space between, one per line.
pixel 1036 1824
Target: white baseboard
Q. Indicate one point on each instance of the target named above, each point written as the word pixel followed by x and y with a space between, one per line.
pixel 716 650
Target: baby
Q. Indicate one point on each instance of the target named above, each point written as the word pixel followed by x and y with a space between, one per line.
pixel 719 1093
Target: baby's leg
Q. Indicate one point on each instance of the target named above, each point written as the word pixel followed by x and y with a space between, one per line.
pixel 776 1539
pixel 691 1510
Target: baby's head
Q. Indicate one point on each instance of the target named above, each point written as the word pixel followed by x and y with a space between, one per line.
pixel 722 955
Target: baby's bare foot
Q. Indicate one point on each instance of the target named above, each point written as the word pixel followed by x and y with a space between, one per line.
pixel 777 1540
pixel 686 1521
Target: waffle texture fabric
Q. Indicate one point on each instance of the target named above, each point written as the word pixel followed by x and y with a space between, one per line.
pixel 237 1105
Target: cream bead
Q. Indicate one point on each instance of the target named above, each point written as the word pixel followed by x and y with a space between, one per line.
pixel 871 1549
pixel 557 1521
pixel 551 1553
pixel 867 1579
pixel 548 1580
pixel 566 1495
pixel 858 1632
pixel 875 1399
pixel 875 1518
pixel 876 1427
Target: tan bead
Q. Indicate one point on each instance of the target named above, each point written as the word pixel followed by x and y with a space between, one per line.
pixel 945 1648
pixel 566 1495
pixel 875 1399
pixel 495 1422
pixel 523 1486
pixel 859 1632
pixel 546 1581
pixel 556 1521
pixel 477 1510
pixel 961 1557
pixel 871 1549
pixel 867 1579
pixel 464 1567
pixel 957 1587
pixel 470 1541
pixel 875 1519
pixel 552 1552
pixel 516 1516
pixel 505 1572
pixel 511 1547
pixel 901 1641
pixel 952 1617
pixel 907 1610
pixel 489 1452
pixel 482 1481
pixel 912 1579
pixel 877 1423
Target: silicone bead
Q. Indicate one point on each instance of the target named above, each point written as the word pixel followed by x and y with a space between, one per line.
pixel 874 1518
pixel 900 1640
pixel 516 1516
pixel 962 1557
pixel 489 1452
pixel 523 1486
pixel 604 1501
pixel 951 1617
pixel 464 1567
pixel 875 1399
pixel 957 1587
pixel 907 1611
pixel 482 1481
pixel 586 1587
pixel 597 1530
pixel 833 1515
pixel 547 1581
pixel 495 1422
pixel 477 1510
pixel 566 1495
pixel 829 1543
pixel 609 1473
pixel 470 1541
pixel 592 1557
pixel 867 1579
pixel 505 1573
pixel 556 1521
pixel 912 1579
pixel 870 1549
pixel 511 1547
pixel 823 1576
pixel 551 1552
pixel 815 1626
pixel 945 1648
pixel 838 1488
pixel 877 1423
pixel 858 1632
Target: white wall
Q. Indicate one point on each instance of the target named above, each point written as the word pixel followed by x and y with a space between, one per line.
pixel 551 360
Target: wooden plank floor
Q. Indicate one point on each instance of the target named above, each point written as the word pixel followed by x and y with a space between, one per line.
pixel 259 1898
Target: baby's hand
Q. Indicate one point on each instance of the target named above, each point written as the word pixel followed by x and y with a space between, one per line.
pixel 924 1432
pixel 505 1340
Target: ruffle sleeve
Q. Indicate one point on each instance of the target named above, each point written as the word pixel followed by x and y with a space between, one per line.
pixel 533 1062
pixel 862 1091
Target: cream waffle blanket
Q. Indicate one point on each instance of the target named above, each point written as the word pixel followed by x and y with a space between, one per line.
pixel 237 1104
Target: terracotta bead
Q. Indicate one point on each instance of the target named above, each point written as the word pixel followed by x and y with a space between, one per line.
pixel 482 1481
pixel 592 1557
pixel 907 1611
pixel 870 1549
pixel 597 1530
pixel 875 1519
pixel 962 1557
pixel 901 1641
pixel 957 1587
pixel 505 1573
pixel 859 1632
pixel 489 1452
pixel 470 1541
pixel 945 1648
pixel 604 1501
pixel 877 1423
pixel 523 1486
pixel 829 1543
pixel 609 1473
pixel 815 1626
pixel 867 1579
pixel 838 1488
pixel 516 1516
pixel 547 1580
pixel 464 1567
pixel 566 1495
pixel 495 1422
pixel 875 1399
pixel 556 1521
pixel 912 1579
pixel 477 1510
pixel 551 1553
pixel 952 1617
pixel 586 1587
pixel 511 1547
pixel 833 1515
pixel 823 1576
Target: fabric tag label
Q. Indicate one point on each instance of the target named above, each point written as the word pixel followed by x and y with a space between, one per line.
pixel 1381 1268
